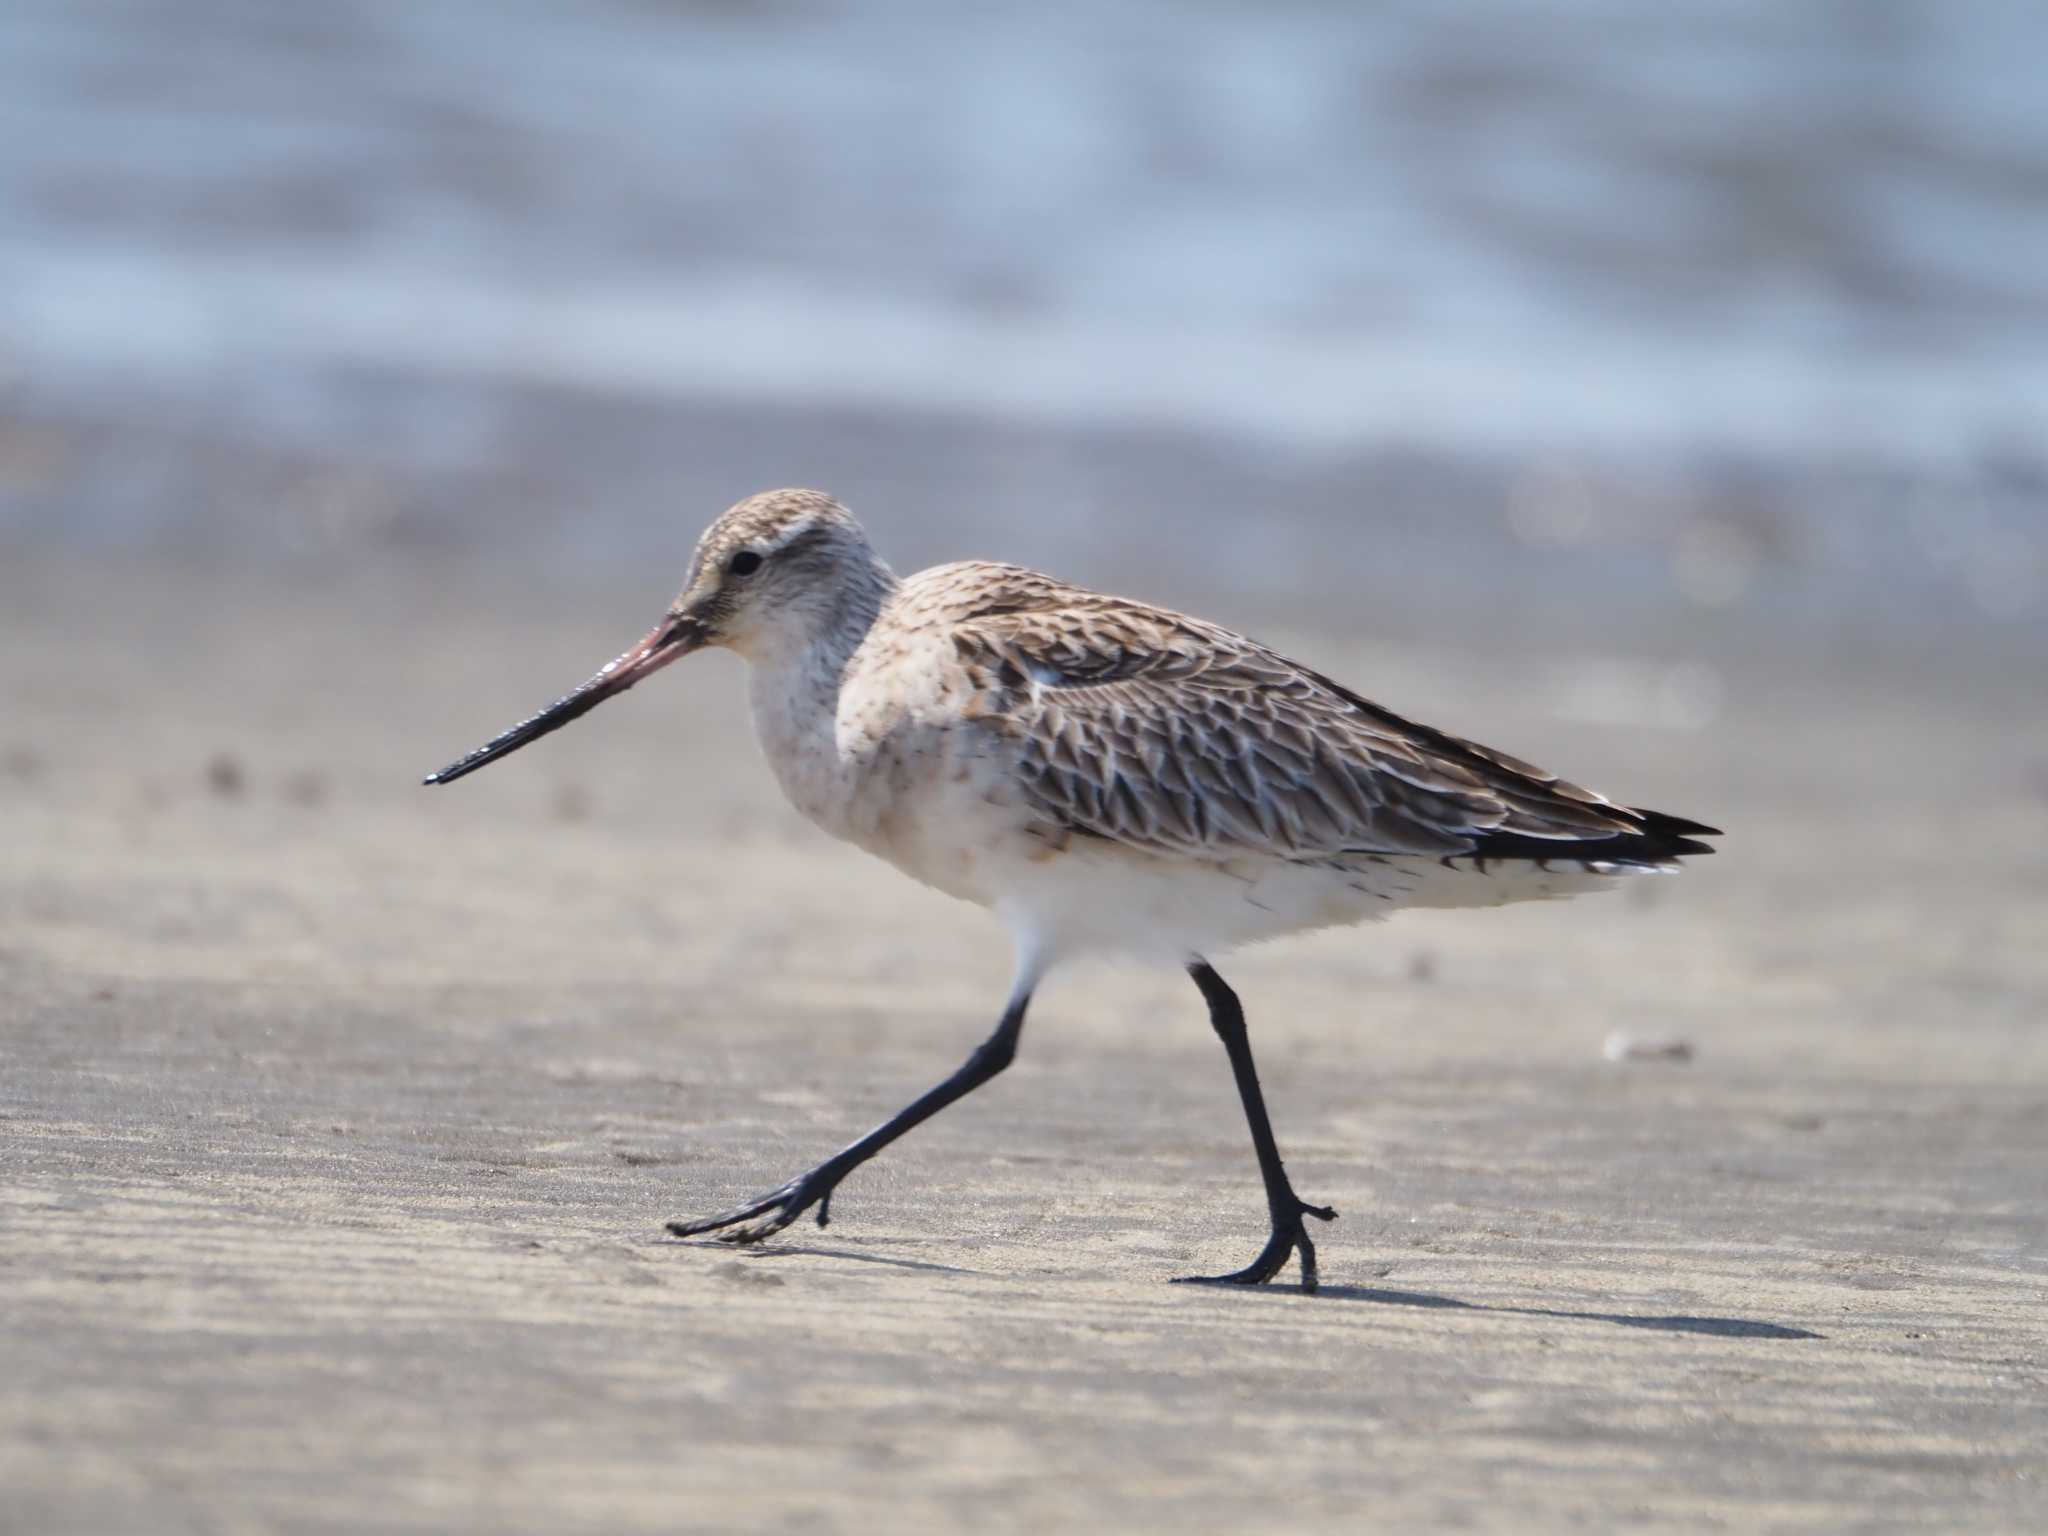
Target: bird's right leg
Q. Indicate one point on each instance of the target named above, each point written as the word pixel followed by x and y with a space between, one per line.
pixel 768 1215
pixel 1289 1236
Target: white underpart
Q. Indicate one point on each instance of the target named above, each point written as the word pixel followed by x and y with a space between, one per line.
pixel 1097 897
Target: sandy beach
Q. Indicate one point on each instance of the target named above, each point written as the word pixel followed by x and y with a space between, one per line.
pixel 339 1118
pixel 1655 393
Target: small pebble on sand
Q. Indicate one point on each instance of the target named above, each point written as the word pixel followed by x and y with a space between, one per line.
pixel 307 788
pixel 1625 1046
pixel 224 776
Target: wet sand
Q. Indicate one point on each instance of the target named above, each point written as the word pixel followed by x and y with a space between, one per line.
pixel 338 1120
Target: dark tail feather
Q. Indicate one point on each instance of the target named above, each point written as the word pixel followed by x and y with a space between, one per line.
pixel 1659 840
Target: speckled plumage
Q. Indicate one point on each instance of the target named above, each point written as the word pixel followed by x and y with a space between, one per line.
pixel 1101 773
pixel 1165 733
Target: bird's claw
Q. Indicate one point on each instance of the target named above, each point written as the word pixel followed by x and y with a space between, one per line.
pixel 1289 1238
pixel 761 1219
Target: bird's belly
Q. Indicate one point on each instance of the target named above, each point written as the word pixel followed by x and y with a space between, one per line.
pixel 1102 896
pixel 1091 894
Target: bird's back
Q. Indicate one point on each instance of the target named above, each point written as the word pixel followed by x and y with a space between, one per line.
pixel 1173 735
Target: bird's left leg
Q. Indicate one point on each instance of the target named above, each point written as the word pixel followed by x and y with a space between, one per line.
pixel 1289 1235
pixel 772 1212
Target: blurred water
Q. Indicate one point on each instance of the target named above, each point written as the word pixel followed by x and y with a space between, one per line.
pixel 1741 281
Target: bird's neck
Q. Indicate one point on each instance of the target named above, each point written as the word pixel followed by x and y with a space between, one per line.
pixel 794 686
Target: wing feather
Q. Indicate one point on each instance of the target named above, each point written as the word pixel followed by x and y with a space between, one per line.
pixel 1166 733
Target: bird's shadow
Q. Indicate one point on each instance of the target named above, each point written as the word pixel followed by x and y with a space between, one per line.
pixel 800 1250
pixel 1717 1327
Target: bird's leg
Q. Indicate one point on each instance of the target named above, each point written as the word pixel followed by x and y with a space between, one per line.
pixel 1289 1235
pixel 765 1217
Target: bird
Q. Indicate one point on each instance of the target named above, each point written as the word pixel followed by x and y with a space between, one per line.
pixel 1103 775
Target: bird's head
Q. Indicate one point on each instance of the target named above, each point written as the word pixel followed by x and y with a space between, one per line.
pixel 769 578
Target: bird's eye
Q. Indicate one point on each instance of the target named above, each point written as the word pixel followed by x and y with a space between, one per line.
pixel 745 563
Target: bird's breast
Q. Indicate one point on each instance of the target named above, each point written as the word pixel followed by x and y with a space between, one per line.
pixel 891 770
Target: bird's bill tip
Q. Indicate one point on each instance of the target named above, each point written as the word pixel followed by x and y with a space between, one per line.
pixel 674 636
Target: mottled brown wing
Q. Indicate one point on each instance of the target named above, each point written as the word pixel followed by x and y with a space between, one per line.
pixel 1166 733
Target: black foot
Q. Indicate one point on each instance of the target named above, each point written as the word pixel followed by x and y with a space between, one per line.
pixel 771 1213
pixel 1289 1237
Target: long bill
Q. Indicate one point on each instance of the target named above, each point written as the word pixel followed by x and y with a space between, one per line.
pixel 677 635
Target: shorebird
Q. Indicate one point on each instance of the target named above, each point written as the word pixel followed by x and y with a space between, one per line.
pixel 1103 775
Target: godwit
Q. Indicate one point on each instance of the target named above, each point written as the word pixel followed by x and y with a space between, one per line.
pixel 1103 775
